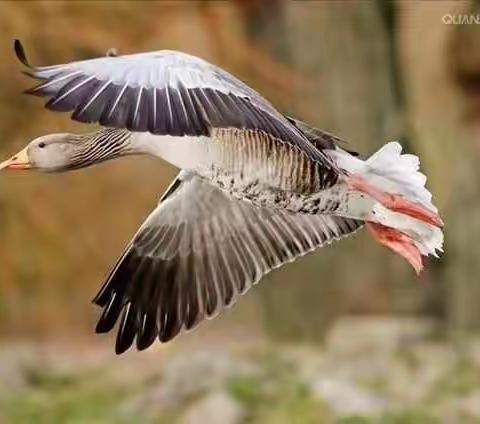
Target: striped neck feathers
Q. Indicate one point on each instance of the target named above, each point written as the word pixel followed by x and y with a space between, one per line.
pixel 64 152
pixel 99 146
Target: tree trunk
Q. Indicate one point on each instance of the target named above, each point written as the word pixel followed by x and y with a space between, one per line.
pixel 342 49
pixel 440 64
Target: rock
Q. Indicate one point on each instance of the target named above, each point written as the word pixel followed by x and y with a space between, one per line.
pixel 470 406
pixel 351 336
pixel 345 398
pixel 15 365
pixel 215 408
pixel 185 376
pixel 425 364
pixel 192 373
pixel 455 409
pixel 471 349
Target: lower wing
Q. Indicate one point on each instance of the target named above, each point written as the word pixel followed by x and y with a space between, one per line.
pixel 195 253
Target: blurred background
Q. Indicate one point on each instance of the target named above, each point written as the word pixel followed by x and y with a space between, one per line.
pixel 348 334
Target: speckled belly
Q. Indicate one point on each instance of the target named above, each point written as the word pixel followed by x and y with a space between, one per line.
pixel 253 166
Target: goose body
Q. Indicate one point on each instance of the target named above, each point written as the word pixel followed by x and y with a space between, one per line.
pixel 256 189
pixel 247 164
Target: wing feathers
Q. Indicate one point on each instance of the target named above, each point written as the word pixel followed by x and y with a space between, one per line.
pixel 72 93
pixel 127 329
pixel 148 331
pixel 165 93
pixel 110 313
pixel 195 254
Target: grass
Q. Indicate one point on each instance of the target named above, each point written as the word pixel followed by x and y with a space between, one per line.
pixel 401 417
pixel 463 378
pixel 276 396
pixel 65 398
pixel 273 395
pixel 271 403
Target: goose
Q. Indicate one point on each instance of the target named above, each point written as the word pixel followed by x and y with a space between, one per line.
pixel 256 189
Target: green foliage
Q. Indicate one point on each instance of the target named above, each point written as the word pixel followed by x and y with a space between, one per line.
pixel 278 401
pixel 401 417
pixel 276 396
pixel 65 399
pixel 409 417
pixel 461 379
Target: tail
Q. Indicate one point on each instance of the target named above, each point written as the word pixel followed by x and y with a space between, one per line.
pixel 402 215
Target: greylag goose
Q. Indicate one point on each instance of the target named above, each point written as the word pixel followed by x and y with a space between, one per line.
pixel 256 188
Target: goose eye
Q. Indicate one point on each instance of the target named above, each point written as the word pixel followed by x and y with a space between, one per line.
pixel 41 145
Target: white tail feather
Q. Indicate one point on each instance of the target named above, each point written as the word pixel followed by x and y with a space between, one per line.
pixel 393 172
pixel 428 238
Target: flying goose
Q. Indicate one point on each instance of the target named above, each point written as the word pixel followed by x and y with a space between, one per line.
pixel 256 188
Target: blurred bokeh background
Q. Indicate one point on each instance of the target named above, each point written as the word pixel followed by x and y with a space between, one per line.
pixel 348 334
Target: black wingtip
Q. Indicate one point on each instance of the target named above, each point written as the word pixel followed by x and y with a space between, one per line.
pixel 110 314
pixel 103 296
pixel 121 347
pixel 148 331
pixel 20 52
pixel 127 329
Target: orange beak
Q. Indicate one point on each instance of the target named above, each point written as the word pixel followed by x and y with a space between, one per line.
pixel 18 161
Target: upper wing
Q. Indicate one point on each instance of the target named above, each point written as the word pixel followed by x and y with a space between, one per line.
pixel 163 92
pixel 196 252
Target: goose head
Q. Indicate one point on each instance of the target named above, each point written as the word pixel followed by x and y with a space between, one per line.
pixel 52 152
pixel 63 152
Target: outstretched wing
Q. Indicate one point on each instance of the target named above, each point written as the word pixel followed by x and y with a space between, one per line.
pixel 163 92
pixel 196 252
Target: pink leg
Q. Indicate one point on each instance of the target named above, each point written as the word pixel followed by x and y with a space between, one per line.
pixel 396 202
pixel 399 242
